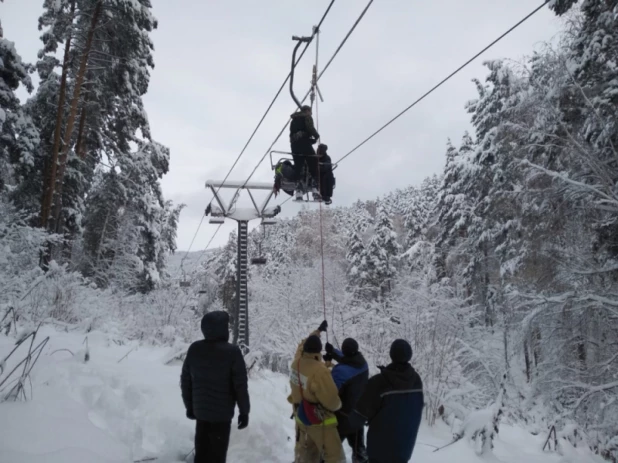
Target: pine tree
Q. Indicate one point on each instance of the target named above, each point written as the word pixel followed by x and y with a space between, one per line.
pixel 105 72
pixel 18 137
pixel 356 266
pixel 118 75
pixel 129 206
pixel 380 258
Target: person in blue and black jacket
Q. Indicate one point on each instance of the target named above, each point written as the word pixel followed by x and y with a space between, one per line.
pixel 392 404
pixel 350 375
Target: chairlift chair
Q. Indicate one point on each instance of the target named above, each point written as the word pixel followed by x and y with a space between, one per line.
pixel 261 258
pixel 290 186
pixel 184 281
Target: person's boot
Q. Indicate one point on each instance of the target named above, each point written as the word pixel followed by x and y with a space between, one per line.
pixel 298 193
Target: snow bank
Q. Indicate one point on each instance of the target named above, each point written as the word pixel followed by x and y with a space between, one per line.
pixel 113 410
pixel 122 408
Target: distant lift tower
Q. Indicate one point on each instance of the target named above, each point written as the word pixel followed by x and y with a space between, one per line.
pixel 218 213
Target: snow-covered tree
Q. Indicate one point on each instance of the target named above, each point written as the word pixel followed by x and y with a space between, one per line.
pixel 18 137
pixel 380 258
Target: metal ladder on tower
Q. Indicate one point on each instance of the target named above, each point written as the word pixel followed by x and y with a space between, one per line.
pixel 241 286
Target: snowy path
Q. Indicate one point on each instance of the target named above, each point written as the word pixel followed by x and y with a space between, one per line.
pixel 105 411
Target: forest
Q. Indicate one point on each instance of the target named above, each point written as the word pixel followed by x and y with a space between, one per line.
pixel 501 270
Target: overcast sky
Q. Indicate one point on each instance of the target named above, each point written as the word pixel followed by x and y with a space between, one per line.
pixel 220 62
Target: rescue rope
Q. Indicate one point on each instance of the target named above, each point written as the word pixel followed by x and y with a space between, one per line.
pixel 317 123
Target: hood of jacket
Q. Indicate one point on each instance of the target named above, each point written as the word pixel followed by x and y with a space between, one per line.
pixel 298 114
pixel 215 326
pixel 401 376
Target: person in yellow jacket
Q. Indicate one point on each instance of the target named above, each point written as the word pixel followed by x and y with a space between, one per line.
pixel 315 399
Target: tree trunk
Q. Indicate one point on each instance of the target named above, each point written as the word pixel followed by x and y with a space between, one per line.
pixel 537 347
pixel 51 166
pixel 49 179
pixel 68 132
pixel 80 147
pixel 527 359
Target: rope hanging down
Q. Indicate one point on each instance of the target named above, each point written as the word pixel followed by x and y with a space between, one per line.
pixel 460 68
pixel 314 90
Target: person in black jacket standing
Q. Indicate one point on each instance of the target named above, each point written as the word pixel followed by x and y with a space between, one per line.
pixel 393 405
pixel 213 382
pixel 350 375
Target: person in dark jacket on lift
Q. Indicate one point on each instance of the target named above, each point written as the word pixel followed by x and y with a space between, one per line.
pixel 350 375
pixel 392 404
pixel 213 381
pixel 303 136
pixel 327 179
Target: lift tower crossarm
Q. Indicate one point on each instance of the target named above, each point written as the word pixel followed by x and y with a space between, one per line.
pixel 242 215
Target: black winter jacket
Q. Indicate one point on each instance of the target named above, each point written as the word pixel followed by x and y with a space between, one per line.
pixel 350 375
pixel 302 128
pixel 393 405
pixel 214 375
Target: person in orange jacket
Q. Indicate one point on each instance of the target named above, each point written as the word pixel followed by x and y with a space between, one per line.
pixel 315 399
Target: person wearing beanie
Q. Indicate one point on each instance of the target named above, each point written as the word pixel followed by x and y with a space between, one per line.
pixel 315 400
pixel 350 375
pixel 213 382
pixel 392 404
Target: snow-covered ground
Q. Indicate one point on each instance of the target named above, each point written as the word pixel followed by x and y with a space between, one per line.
pixel 115 409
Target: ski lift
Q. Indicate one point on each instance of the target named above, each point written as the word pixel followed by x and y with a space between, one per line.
pixel 184 281
pixel 285 178
pixel 261 259
pixel 285 175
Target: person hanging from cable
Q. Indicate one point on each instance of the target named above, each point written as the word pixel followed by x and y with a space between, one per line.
pixel 350 375
pixel 327 179
pixel 303 136
pixel 315 400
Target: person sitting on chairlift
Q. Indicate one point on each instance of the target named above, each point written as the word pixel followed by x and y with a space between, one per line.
pixel 327 179
pixel 302 136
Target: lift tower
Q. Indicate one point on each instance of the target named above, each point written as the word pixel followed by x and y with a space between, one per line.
pixel 218 213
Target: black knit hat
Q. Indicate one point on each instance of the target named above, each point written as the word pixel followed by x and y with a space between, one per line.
pixel 401 351
pixel 349 347
pixel 313 345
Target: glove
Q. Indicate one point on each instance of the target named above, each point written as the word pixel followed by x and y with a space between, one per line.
pixel 323 326
pixel 329 348
pixel 327 357
pixel 190 415
pixel 243 421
